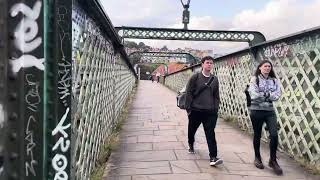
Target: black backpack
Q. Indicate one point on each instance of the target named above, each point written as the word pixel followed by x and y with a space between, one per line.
pixel 248 98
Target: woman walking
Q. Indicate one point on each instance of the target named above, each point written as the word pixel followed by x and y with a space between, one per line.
pixel 264 89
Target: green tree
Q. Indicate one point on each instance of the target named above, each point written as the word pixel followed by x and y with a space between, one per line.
pixel 164 48
pixel 131 44
pixel 141 45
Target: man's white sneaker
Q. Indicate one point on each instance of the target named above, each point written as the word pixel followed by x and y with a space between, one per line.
pixel 215 161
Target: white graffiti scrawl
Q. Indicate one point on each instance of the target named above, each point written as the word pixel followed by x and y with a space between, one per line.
pixel 25 36
pixel 26 61
pixel 59 161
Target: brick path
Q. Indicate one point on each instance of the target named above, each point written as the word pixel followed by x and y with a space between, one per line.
pixel 153 146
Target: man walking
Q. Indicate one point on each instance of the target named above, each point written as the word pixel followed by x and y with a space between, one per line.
pixel 202 102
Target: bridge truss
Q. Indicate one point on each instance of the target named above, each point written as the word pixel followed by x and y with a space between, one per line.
pixel 165 57
pixel 252 37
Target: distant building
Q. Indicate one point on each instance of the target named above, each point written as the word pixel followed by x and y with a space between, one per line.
pixel 172 67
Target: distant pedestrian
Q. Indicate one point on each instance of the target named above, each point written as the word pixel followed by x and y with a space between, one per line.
pixel 202 104
pixel 264 89
pixel 158 77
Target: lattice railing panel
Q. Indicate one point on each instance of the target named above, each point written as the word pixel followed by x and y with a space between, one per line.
pixel 101 84
pixel 296 62
pixel 234 74
pixel 178 81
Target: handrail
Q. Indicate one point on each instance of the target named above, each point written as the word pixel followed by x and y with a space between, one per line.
pixel 96 11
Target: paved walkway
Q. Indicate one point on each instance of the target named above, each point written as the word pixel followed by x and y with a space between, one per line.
pixel 154 141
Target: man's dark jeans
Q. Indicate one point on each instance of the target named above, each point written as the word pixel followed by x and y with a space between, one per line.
pixel 208 121
pixel 258 118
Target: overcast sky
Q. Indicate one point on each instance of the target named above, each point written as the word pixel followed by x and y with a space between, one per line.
pixel 274 18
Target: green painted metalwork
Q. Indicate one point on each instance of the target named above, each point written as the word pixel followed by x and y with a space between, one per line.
pixel 3 85
pixel 103 78
pixel 23 61
pixel 165 57
pixel 58 51
pixel 296 61
pixel 61 64
pixel 252 37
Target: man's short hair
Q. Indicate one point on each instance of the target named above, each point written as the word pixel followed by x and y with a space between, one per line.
pixel 206 58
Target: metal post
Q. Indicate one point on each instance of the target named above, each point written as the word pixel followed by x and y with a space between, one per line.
pixel 58 88
pixel 3 85
pixel 24 64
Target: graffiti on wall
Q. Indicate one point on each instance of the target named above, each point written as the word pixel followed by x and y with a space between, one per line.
pixel 290 59
pixel 277 50
pixel 64 65
pixel 62 131
pixel 60 161
pixel 33 100
pixel 305 44
pixel 25 37
pixel 27 40
pixel 298 46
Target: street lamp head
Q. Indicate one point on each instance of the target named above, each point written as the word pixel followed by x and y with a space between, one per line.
pixel 185 3
pixel 186 13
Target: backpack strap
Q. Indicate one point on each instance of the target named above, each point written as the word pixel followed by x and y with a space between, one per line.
pixel 206 85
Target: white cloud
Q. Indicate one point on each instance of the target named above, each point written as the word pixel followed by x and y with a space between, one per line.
pixel 277 18
pixel 155 13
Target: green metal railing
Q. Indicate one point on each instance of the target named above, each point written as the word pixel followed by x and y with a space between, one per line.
pixel 296 61
pixel 164 57
pixel 64 79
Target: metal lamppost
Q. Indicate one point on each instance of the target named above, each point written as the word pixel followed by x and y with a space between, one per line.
pixel 186 13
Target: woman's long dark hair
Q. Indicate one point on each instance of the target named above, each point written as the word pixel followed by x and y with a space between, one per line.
pixel 258 72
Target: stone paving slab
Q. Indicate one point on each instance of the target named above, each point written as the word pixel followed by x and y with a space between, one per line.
pixel 151 138
pixel 184 166
pixel 165 155
pixel 153 146
pixel 168 146
pixel 134 168
pixel 196 176
pixel 136 147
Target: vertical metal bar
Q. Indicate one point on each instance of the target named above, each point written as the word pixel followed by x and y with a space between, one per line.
pixel 3 77
pixel 58 93
pixel 24 69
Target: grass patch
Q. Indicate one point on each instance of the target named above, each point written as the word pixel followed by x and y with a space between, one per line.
pixel 229 118
pixel 313 169
pixel 112 142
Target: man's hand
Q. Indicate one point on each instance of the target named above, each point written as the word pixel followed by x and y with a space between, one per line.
pixel 188 111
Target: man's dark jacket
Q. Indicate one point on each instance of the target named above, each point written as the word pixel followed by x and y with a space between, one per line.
pixel 208 100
